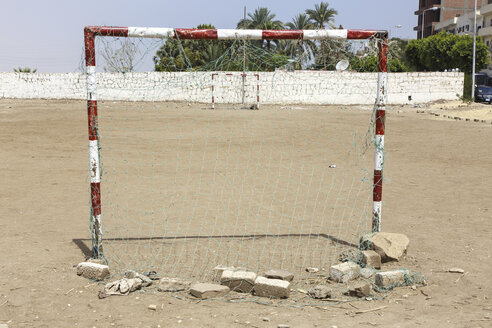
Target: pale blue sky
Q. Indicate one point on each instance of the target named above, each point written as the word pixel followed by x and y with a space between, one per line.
pixel 47 34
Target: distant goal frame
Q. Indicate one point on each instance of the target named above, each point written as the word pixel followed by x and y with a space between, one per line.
pixel 91 32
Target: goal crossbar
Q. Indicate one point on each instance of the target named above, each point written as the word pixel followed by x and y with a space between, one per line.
pixel 90 33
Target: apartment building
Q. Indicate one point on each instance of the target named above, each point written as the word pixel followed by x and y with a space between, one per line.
pixel 432 12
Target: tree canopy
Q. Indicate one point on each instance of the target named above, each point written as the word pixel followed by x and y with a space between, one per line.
pixel 446 51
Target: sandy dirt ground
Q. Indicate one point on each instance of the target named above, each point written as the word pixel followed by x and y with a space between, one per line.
pixel 437 190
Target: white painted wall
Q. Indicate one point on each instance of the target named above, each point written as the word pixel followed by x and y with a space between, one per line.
pixel 306 87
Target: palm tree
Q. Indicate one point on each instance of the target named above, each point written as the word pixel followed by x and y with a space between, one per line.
pixel 322 15
pixel 261 19
pixel 24 70
pixel 300 49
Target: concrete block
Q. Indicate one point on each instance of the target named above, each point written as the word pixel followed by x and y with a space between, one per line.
pixel 371 259
pixel 239 281
pixel 275 288
pixel 205 291
pixel 344 272
pixel 93 271
pixel 219 269
pixel 367 273
pixel 391 279
pixel 172 285
pixel 279 274
pixel 361 289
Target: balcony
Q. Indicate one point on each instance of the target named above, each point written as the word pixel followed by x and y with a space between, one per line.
pixel 485 32
pixel 487 9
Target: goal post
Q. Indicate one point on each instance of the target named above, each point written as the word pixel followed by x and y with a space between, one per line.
pixel 91 32
pixel 256 86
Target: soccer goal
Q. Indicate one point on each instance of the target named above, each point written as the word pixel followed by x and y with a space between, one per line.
pixel 178 188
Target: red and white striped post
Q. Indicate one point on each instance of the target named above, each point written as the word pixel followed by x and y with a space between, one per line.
pixel 90 33
pixel 379 135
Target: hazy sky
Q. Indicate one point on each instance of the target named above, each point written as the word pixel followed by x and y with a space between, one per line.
pixel 48 34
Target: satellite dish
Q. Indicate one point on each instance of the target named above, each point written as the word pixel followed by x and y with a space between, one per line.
pixel 342 65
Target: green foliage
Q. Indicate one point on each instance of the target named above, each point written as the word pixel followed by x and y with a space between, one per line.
pixel 370 64
pixel 446 51
pixel 24 70
pixel 323 16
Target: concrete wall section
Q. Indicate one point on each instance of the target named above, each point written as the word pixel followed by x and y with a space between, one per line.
pixel 300 87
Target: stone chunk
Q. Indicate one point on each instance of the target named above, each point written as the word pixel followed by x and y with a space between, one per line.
pixel 271 287
pixel 367 273
pixel 239 281
pixel 94 271
pixel 204 291
pixel 391 279
pixel 344 272
pixel 320 292
pixel 219 269
pixel 371 259
pixel 390 246
pixel 361 289
pixel 172 285
pixel 279 274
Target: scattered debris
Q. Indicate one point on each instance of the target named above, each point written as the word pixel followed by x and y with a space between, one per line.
pixel 281 325
pixel 279 274
pixel 456 270
pixel 320 292
pixel 205 291
pixel 94 271
pixel 371 310
pixel 371 259
pixel 333 166
pixel 172 285
pixel 344 272
pixel 312 270
pixel 271 287
pixel 266 319
pixel 122 287
pixel 239 281
pixel 153 307
pixel 390 246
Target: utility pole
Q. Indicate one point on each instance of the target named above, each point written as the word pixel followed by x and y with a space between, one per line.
pixel 244 62
pixel 474 50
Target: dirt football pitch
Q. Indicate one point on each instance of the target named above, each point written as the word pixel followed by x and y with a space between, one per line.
pixel 437 191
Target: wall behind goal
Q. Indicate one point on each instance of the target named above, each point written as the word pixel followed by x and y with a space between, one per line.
pixel 307 87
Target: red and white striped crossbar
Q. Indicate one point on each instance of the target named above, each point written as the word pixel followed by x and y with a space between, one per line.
pixel 90 33
pixel 230 34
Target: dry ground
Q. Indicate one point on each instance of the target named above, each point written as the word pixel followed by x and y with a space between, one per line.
pixel 437 191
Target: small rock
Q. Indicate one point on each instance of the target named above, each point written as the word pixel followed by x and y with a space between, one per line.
pixel 414 287
pixel 279 274
pixel 360 290
pixel 94 271
pixel 320 292
pixel 391 279
pixel 266 319
pixel 99 261
pixel 153 307
pixel 371 259
pixel 390 246
pixel 312 270
pixel 367 273
pixel 239 281
pixel 344 272
pixel 172 285
pixel 456 270
pixel 271 287
pixel 205 291
pixel 281 325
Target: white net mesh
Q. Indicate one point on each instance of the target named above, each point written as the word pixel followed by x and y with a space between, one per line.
pixel 185 188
